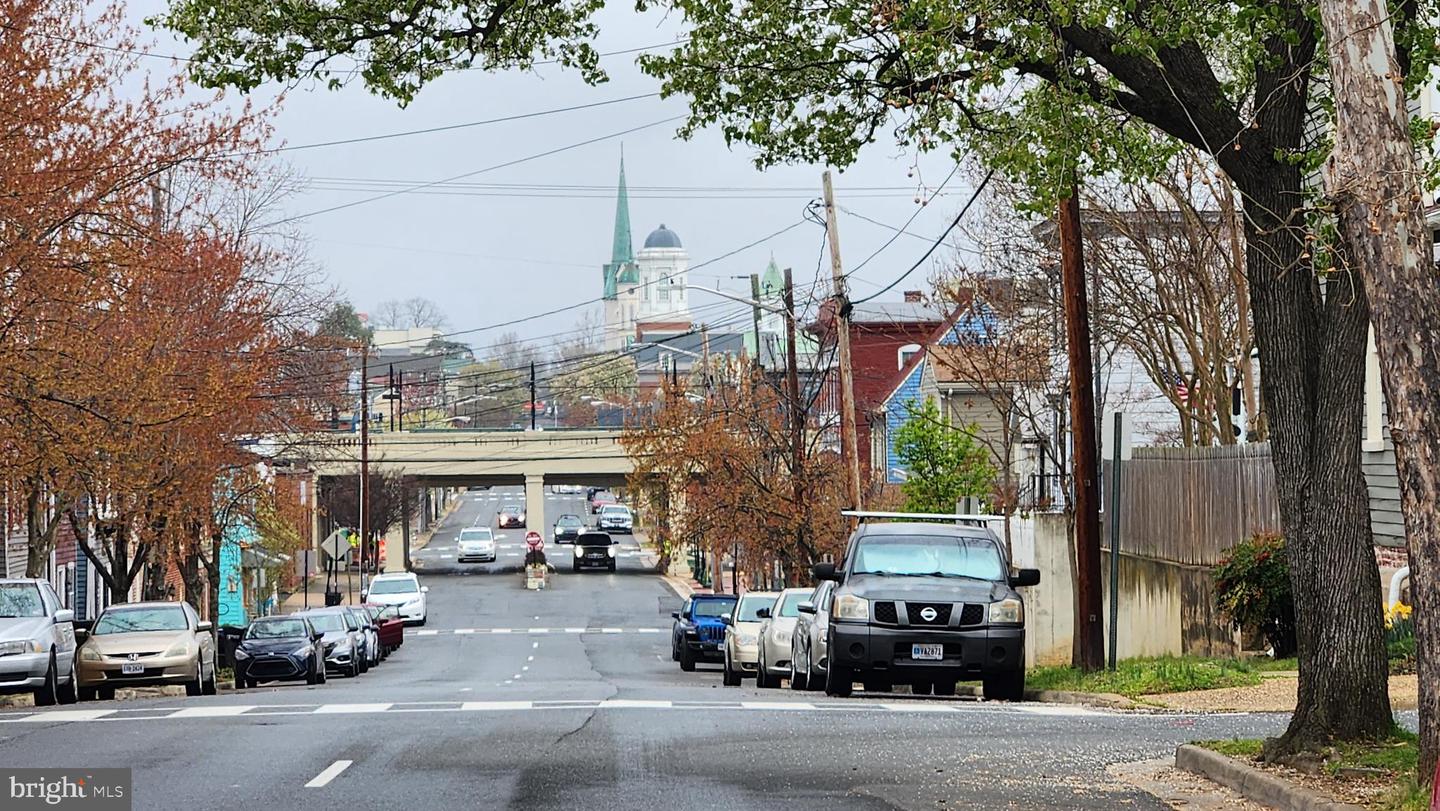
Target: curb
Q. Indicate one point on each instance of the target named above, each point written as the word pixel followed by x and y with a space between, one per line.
pixel 683 588
pixel 1108 700
pixel 1253 783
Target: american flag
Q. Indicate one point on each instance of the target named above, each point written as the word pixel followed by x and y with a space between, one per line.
pixel 1182 390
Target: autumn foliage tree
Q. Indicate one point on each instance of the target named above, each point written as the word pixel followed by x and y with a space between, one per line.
pixel 146 326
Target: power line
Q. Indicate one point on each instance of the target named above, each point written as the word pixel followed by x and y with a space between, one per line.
pixel 901 229
pixel 973 197
pixel 449 127
pixel 547 153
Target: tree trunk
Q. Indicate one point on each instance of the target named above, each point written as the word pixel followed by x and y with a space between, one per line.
pixel 1372 178
pixel 42 521
pixel 1313 354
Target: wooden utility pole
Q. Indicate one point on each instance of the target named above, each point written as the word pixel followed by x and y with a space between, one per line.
pixel 364 460
pixel 755 314
pixel 1089 633
pixel 532 395
pixel 1373 179
pixel 797 416
pixel 841 324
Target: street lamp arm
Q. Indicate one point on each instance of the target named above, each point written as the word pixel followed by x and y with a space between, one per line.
pixel 770 308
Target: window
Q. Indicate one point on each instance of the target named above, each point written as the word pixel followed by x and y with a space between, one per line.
pixel 905 353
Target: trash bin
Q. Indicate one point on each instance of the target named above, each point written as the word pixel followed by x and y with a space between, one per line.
pixel 228 639
pixel 332 598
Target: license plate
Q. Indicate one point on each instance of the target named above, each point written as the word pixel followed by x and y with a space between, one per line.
pixel 928 653
pixel 132 669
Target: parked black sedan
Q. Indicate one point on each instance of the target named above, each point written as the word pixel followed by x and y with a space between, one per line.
pixel 280 649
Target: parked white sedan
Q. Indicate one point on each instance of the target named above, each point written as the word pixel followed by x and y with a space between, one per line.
pixel 402 590
pixel 776 627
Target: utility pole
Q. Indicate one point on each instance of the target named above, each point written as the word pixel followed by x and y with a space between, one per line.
pixel 1089 633
pixel 400 400
pixel 797 417
pixel 841 324
pixel 364 462
pixel 390 397
pixel 705 358
pixel 532 395
pixel 755 313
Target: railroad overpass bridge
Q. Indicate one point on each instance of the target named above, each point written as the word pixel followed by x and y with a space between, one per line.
pixel 461 458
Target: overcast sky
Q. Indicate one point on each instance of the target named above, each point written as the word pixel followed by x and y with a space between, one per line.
pixel 491 255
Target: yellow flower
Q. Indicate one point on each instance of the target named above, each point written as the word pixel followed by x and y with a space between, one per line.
pixel 1397 612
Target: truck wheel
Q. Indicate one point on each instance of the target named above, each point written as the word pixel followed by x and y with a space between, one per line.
pixel 687 659
pixel 1005 686
pixel 839 681
pixel 945 687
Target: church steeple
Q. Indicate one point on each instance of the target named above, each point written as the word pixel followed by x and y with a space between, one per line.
pixel 622 250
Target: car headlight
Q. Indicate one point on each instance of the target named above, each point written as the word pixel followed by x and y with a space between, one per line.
pixel 17 646
pixel 1009 611
pixel 240 653
pixel 343 646
pixel 579 551
pixel 303 650
pixel 850 607
pixel 180 648
pixel 746 638
pixel 90 654
pixel 611 550
pixel 780 637
pixel 413 600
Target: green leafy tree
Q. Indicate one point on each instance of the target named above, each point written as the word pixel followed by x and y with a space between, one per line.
pixel 343 323
pixel 945 463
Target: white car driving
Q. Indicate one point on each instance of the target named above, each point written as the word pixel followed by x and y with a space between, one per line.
pixel 476 543
pixel 402 590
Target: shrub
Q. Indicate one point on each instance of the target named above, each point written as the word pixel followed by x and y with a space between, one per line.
pixel 1400 638
pixel 1252 590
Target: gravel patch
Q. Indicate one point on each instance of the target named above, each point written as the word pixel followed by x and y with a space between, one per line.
pixel 1271 695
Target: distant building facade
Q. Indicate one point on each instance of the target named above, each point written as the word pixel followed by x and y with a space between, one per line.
pixel 645 289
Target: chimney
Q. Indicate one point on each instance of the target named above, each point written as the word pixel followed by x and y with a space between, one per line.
pixel 913 296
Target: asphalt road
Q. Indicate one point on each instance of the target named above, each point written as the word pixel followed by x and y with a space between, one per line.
pixel 567 698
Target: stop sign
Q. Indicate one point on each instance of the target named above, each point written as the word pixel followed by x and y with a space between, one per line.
pixel 533 541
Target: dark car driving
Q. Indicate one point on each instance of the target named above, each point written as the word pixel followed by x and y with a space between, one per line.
pixel 698 634
pixel 926 605
pixel 280 649
pixel 595 549
pixel 568 527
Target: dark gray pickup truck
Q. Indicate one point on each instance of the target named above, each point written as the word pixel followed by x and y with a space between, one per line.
pixel 926 605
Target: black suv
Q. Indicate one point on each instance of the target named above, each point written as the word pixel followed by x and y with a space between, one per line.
pixel 595 549
pixel 926 605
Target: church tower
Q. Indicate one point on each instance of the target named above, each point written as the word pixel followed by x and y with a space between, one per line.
pixel 620 275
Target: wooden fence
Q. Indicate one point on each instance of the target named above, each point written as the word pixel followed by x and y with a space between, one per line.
pixel 1190 505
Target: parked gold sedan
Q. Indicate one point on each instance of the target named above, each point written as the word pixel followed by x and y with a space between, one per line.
pixel 145 645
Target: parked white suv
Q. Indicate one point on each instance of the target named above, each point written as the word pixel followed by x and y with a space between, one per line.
pixel 400 589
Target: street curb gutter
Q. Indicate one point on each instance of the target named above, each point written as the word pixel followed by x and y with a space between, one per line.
pixel 1108 700
pixel 1255 784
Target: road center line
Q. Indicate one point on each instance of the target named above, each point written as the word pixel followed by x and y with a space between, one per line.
pixel 331 772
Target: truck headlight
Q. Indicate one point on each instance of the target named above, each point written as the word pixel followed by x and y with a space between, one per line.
pixel 579 551
pixel 611 550
pixel 850 607
pixel 1008 611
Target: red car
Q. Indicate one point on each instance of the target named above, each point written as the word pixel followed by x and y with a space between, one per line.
pixel 389 626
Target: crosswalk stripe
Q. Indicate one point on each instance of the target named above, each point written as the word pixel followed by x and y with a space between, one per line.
pixel 336 709
pixel 212 712
pixel 67 715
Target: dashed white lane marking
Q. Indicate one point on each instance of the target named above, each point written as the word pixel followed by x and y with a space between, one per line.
pixel 464 630
pixel 534 645
pixel 212 712
pixel 426 633
pixel 530 658
pixel 929 706
pixel 331 772
pixel 336 709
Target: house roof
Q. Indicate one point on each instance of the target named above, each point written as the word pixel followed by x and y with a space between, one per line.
pixel 975 364
pixel 895 312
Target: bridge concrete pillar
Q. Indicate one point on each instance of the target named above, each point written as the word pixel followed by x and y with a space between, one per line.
pixel 535 504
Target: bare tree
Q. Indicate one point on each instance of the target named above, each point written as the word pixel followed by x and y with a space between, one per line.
pixel 390 315
pixel 422 313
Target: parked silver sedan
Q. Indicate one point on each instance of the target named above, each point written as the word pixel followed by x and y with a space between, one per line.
pixel 742 632
pixel 777 625
pixel 809 645
pixel 37 642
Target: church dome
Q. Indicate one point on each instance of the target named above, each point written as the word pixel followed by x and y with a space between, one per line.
pixel 663 237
